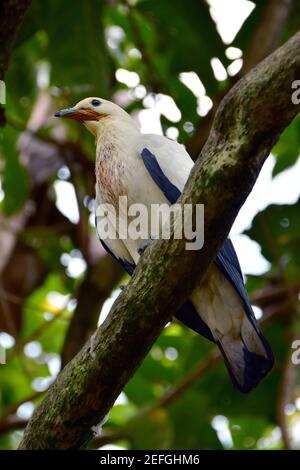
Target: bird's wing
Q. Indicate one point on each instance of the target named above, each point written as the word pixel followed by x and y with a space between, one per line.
pixel 113 245
pixel 169 166
pixel 127 265
pixel 167 162
pixel 228 263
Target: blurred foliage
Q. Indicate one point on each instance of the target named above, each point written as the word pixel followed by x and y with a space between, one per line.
pixel 14 175
pixel 288 147
pixel 66 51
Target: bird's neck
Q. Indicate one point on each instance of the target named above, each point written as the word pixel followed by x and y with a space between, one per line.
pixel 115 142
pixel 116 133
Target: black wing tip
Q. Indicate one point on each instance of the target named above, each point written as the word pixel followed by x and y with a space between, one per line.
pixel 256 368
pixel 126 265
pixel 254 376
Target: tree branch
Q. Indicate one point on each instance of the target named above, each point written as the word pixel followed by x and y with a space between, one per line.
pixel 172 394
pixel 247 124
pixel 12 423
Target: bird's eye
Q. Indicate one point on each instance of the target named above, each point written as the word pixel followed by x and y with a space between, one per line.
pixel 95 102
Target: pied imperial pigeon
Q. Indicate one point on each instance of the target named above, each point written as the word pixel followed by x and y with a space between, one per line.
pixel 152 170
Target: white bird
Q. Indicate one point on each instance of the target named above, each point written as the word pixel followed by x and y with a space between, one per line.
pixel 151 169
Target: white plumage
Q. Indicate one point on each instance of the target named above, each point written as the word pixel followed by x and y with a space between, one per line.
pixel 121 171
pixel 124 142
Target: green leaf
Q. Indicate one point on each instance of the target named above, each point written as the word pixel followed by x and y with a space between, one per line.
pixel 75 48
pixel 288 147
pixel 186 38
pixel 14 385
pixel 276 229
pixel 150 431
pixel 190 417
pixel 21 79
pixel 246 430
pixel 14 176
pixel 52 335
pixel 86 63
pixel 48 245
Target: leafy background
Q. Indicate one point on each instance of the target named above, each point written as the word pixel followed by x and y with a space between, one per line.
pixel 56 279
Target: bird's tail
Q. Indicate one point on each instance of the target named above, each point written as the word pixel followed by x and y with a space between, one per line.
pixel 248 357
pixel 230 319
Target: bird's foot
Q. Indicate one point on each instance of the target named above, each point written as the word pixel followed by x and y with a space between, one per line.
pixel 143 247
pixel 145 244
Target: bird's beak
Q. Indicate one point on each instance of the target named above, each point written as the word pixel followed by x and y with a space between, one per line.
pixel 68 112
pixel 79 114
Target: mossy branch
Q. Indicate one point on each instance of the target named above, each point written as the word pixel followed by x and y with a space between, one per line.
pixel 247 124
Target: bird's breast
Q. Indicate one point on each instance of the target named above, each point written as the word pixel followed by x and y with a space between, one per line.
pixel 109 174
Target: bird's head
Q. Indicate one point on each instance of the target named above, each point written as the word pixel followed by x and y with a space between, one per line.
pixel 92 112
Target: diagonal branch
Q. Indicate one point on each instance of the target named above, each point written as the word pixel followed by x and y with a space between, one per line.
pixel 247 124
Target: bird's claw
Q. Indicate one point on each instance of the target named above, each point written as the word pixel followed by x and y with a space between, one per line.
pixel 145 244
pixel 143 247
